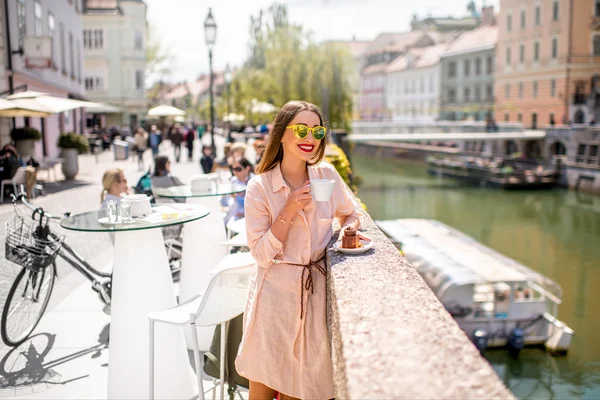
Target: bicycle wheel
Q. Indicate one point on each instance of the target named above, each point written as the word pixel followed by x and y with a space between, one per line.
pixel 26 302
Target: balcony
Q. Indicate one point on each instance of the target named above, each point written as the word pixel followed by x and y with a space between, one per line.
pixel 391 337
pixel 579 99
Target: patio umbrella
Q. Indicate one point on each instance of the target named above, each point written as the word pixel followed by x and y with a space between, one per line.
pixel 233 117
pixel 11 109
pixel 261 107
pixel 43 102
pixel 165 111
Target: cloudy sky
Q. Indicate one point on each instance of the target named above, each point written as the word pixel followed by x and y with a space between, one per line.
pixel 179 24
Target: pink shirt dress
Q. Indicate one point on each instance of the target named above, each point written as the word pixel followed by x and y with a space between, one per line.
pixel 283 348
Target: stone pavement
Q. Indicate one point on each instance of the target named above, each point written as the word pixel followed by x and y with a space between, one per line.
pixel 67 356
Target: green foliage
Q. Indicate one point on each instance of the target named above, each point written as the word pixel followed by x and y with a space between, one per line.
pixel 25 133
pixel 73 140
pixel 285 63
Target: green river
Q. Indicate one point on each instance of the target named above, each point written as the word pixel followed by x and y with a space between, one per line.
pixel 556 233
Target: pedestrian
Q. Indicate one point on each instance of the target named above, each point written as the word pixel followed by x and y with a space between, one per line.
pixel 141 145
pixel 155 138
pixel 285 345
pixel 176 139
pixel 207 161
pixel 190 136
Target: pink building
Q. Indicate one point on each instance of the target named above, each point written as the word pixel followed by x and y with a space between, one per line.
pixel 60 20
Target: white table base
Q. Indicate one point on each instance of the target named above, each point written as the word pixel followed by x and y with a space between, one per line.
pixel 202 252
pixel 142 283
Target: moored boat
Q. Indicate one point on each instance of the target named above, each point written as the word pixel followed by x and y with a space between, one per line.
pixel 494 299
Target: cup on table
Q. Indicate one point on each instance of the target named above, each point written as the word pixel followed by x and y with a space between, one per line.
pixel 112 211
pixel 125 212
pixel 322 189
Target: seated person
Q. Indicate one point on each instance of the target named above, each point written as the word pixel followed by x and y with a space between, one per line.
pixel 11 161
pixel 162 177
pixel 114 186
pixel 242 171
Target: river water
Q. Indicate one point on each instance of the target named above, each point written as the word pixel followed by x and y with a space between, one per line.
pixel 556 233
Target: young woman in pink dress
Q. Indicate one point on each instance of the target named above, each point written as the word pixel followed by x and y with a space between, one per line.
pixel 285 347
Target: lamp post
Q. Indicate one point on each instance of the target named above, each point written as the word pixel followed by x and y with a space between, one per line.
pixel 210 35
pixel 228 100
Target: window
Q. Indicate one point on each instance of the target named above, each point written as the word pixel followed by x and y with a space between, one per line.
pixel 535 89
pixel 72 54
pixel 597 8
pixel 98 38
pixel 467 67
pixel 581 150
pixel 523 19
pixel 520 90
pixel 506 117
pixel 490 92
pixel 538 15
pixel 51 28
pixel 138 41
pixel 551 120
pixel 87 39
pixel 490 65
pixel 522 54
pixel 63 50
pixel 78 59
pixel 452 69
pixel 477 93
pixel 451 95
pixel 139 79
pixel 507 90
pixel 477 66
pixel 536 51
pixel 555 11
pixel 553 88
pixel 431 84
pixel 467 95
pixel 597 45
pixel 554 48
pixel 21 21
pixel 94 83
pixel 508 56
pixel 93 38
pixel 520 117
pixel 422 85
pixel 509 23
pixel 37 18
pixel 593 154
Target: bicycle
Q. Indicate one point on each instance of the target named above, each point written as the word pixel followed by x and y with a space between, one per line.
pixel 33 246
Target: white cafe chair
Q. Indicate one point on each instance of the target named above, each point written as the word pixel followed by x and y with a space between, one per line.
pixel 239 240
pixel 20 178
pixel 235 227
pixel 225 298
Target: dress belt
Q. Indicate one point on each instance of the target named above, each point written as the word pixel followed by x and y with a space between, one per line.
pixel 308 284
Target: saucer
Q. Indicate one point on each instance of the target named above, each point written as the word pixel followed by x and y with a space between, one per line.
pixel 366 245
pixel 106 222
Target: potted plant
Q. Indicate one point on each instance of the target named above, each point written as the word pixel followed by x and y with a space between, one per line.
pixel 72 144
pixel 25 139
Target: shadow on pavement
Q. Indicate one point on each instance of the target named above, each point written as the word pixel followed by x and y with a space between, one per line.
pixel 25 369
pixel 56 187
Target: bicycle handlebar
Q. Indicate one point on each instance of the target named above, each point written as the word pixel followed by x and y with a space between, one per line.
pixel 22 198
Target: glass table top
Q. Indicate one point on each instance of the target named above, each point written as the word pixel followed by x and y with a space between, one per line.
pixel 162 215
pixel 184 192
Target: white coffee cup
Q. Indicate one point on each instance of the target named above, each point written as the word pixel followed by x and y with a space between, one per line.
pixel 322 189
pixel 202 183
pixel 140 204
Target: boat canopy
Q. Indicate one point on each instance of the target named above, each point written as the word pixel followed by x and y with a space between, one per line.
pixel 448 256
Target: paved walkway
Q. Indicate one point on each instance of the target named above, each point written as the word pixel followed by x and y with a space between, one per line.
pixel 67 357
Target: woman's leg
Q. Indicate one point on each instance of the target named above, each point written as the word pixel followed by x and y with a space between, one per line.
pixel 258 391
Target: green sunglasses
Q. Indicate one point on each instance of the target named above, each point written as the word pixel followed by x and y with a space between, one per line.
pixel 301 131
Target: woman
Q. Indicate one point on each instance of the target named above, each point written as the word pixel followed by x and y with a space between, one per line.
pixel 141 144
pixel 114 186
pixel 285 346
pixel 242 171
pixel 162 177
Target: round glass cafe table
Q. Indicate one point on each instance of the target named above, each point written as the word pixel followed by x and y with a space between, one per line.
pixel 142 283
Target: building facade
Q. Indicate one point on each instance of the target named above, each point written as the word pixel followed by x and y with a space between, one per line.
pixel 548 62
pixel 467 75
pixel 114 41
pixel 61 21
pixel 413 83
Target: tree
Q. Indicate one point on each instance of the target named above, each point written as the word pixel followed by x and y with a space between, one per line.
pixel 285 63
pixel 159 60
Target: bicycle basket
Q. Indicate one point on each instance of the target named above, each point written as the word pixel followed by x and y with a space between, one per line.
pixel 25 248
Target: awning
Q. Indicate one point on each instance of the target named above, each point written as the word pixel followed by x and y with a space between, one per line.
pixel 42 103
pixel 102 108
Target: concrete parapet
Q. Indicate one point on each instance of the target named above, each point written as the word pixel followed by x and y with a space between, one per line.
pixel 390 336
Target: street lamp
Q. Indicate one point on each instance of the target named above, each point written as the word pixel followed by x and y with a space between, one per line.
pixel 210 35
pixel 227 83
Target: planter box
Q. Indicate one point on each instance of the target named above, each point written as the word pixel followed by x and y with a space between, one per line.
pixel 70 165
pixel 25 147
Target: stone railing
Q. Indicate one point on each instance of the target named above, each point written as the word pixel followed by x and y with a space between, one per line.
pixel 390 336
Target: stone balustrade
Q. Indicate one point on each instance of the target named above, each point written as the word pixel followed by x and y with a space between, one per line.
pixel 390 336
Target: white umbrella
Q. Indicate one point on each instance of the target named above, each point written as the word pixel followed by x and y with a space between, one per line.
pixel 165 111
pixel 234 117
pixel 43 102
pixel 261 107
pixel 11 109
pixel 179 118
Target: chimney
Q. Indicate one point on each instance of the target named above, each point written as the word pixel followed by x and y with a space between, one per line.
pixel 488 18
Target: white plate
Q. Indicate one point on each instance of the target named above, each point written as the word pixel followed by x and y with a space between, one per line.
pixel 106 222
pixel 366 245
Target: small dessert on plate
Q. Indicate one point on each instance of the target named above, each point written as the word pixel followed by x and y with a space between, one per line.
pixel 351 240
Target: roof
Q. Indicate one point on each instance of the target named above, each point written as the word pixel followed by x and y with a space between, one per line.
pixel 422 57
pixel 102 4
pixel 393 42
pixel 482 38
pixel 356 47
pixel 194 88
pixel 435 247
pixel 375 68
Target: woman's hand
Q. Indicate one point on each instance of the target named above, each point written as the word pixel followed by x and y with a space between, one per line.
pixel 298 200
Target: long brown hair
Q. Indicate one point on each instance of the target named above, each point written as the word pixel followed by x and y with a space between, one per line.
pixel 273 153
